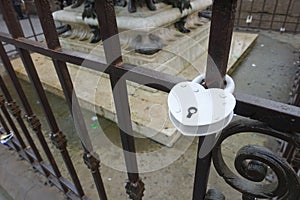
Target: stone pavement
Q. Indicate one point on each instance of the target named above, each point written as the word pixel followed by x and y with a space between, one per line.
pixel 18 180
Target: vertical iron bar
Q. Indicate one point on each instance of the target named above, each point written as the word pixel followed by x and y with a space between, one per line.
pixel 28 110
pixel 2 121
pixel 9 119
pixel 124 122
pixel 273 15
pixel 17 113
pixel 250 13
pixel 201 173
pixel 287 12
pixel 14 128
pixel 222 23
pixel 112 48
pixel 251 7
pixel 239 14
pixel 43 9
pixel 297 24
pixel 219 42
pixel 135 186
pixel 90 158
pixel 109 31
pixel 262 13
pixel 57 137
pixel 32 28
pixel 288 152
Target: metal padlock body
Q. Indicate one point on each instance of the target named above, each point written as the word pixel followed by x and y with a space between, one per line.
pixel 214 108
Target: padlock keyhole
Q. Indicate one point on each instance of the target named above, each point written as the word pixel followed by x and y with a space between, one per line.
pixel 191 111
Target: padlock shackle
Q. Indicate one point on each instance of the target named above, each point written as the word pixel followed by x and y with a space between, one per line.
pixel 229 87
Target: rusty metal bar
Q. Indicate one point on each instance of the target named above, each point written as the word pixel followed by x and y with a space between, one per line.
pixel 112 48
pixel 43 9
pixel 135 186
pixel 32 28
pixel 201 172
pixel 222 23
pixel 17 113
pixel 277 115
pixel 109 31
pixel 2 121
pixel 6 129
pixel 251 7
pixel 134 73
pixel 262 13
pixel 90 158
pixel 11 123
pixel 273 14
pixel 297 24
pixel 5 112
pixel 239 12
pixel 57 137
pixel 287 12
pixel 29 112
pixel 219 42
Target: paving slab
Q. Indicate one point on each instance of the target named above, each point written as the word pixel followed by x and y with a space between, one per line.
pixel 19 181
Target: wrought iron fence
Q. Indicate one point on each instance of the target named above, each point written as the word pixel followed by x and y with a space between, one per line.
pixel 278 15
pixel 32 30
pixel 271 118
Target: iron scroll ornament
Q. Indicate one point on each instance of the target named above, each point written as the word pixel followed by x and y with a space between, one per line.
pixel 251 163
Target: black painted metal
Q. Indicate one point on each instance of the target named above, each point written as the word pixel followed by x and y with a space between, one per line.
pixel 287 185
pixel 201 172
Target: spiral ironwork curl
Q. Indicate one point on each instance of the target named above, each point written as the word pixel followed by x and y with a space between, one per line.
pixel 252 162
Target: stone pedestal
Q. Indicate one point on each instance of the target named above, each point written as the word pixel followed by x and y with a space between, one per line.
pixel 178 50
pixel 143 19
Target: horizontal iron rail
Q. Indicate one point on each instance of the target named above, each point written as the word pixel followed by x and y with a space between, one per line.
pixel 257 108
pixel 133 73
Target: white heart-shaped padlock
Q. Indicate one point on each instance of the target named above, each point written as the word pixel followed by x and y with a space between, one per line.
pixel 196 111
